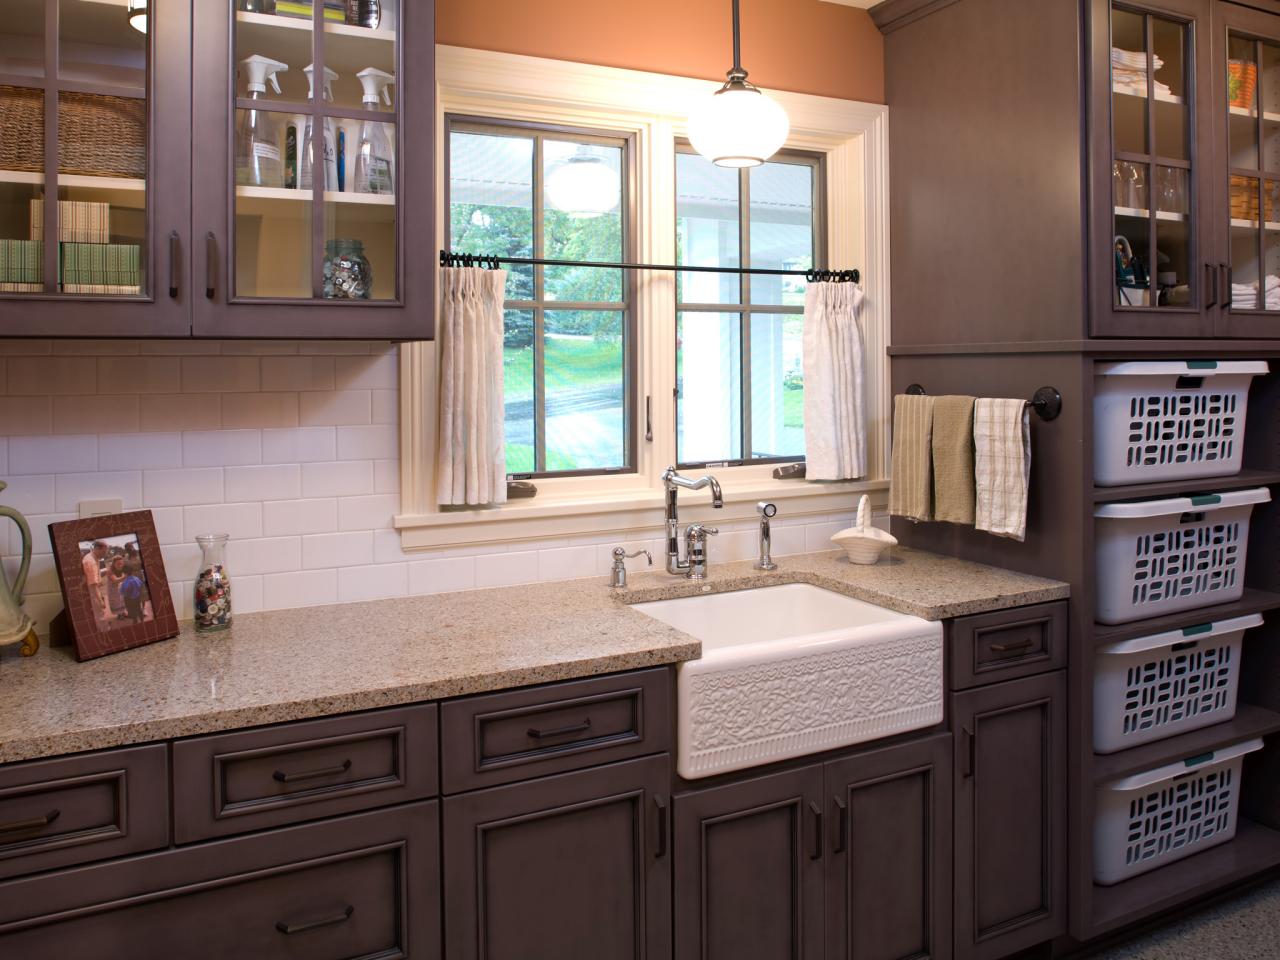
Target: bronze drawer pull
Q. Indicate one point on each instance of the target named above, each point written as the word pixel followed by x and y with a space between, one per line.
pixel 559 731
pixel 289 930
pixel 1011 647
pixel 35 823
pixel 283 777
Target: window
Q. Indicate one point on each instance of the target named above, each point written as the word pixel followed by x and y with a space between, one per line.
pixel 740 383
pixel 569 339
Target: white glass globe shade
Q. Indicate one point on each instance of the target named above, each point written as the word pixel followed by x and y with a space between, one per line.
pixel 584 187
pixel 137 13
pixel 738 127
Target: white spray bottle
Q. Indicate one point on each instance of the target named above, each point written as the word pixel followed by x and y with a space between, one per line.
pixel 375 157
pixel 258 160
pixel 330 140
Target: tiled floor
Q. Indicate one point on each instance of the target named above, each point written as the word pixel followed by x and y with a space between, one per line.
pixel 1243 928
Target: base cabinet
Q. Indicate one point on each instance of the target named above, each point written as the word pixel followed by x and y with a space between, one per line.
pixel 889 872
pixel 848 859
pixel 352 887
pixel 569 866
pixel 1010 816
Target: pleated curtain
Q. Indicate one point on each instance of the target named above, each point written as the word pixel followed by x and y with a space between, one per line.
pixel 835 430
pixel 471 468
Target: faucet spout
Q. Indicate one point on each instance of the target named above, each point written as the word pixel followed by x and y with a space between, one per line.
pixel 672 483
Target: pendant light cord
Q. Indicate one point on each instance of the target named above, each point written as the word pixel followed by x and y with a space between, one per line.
pixel 737 44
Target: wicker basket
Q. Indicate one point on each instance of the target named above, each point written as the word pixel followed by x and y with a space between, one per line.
pixel 102 136
pixel 1244 198
pixel 1242 80
pixel 22 120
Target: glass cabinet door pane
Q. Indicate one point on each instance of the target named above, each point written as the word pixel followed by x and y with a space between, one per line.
pixel 1170 43
pixel 21 145
pixel 22 38
pixel 1129 81
pixel 1253 95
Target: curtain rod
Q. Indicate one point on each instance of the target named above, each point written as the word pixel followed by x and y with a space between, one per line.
pixel 448 259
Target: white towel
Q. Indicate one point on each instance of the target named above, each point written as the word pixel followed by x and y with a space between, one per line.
pixel 471 461
pixel 835 419
pixel 1002 466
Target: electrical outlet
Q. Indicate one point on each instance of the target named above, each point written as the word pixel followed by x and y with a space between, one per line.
pixel 100 508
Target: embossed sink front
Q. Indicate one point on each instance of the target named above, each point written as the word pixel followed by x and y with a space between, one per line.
pixel 793 670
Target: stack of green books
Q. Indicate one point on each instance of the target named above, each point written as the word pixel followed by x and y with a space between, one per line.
pixel 21 266
pixel 334 10
pixel 112 268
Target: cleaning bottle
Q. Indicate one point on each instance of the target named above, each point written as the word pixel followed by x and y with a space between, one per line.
pixel 375 158
pixel 329 145
pixel 258 160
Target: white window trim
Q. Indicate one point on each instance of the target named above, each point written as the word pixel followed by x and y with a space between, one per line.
pixel 653 107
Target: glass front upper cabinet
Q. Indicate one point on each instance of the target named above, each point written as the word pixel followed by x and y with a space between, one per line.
pixel 316 161
pixel 1153 119
pixel 74 207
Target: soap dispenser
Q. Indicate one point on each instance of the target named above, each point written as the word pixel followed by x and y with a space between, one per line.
pixel 330 141
pixel 375 157
pixel 258 160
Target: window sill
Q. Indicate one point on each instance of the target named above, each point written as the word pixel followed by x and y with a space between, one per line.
pixel 626 511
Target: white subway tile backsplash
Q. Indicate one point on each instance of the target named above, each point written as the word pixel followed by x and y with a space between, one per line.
pixel 168 523
pixel 267 555
pixel 53 375
pixel 223 448
pixel 39 523
pixel 300 588
pixel 441 575
pixel 179 348
pixel 4 455
pixel 53 454
pixel 381 372
pixel 177 412
pixel 297 373
pixel 335 408
pixel 129 375
pixel 26 416
pixel 386 476
pixel 386 548
pixel 246 593
pixel 368 442
pixel 259 410
pixel 299 445
pixel 567 563
pixel 41 577
pixel 292 517
pixel 71 488
pixel 75 414
pixel 373 582
pixel 337 550
pixel 386 406
pixel 241 521
pixel 95 348
pixel 367 513
pixel 281 481
pixel 221 374
pixel 139 451
pixel 180 488
pixel 258 348
pixel 181 561
pixel 338 479
pixel 507 569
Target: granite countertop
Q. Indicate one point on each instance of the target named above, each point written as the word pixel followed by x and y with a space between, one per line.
pixel 294 664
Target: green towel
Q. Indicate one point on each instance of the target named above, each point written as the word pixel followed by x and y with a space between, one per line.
pixel 953 487
pixel 911 480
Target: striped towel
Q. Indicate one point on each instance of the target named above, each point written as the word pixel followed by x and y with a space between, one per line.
pixel 911 479
pixel 1002 466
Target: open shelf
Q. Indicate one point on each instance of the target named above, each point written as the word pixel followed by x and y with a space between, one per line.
pixel 286 195
pixel 1253 601
pixel 1249 722
pixel 1141 93
pixel 1181 488
pixel 1270 225
pixel 1142 214
pixel 1253 114
pixel 74 180
pixel 1254 850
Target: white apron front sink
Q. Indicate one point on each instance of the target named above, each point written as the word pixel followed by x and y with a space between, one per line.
pixel 794 669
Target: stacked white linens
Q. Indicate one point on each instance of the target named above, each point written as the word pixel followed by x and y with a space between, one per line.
pixel 1244 296
pixel 1129 71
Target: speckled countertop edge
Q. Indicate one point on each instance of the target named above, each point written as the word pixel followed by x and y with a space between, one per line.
pixel 276 666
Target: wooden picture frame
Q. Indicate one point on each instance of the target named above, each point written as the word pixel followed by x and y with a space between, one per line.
pixel 113 612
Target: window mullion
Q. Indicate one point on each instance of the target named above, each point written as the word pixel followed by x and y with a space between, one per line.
pixel 744 317
pixel 539 296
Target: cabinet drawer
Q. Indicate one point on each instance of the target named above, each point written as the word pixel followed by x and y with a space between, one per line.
pixel 502 737
pixel 56 813
pixel 1007 644
pixel 356 887
pixel 236 782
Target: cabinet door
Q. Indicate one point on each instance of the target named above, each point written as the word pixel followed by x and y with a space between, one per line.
pixel 1153 265
pixel 312 204
pixel 1010 816
pixel 355 887
pixel 889 876
pixel 571 866
pixel 1247 94
pixel 749 869
pixel 95 169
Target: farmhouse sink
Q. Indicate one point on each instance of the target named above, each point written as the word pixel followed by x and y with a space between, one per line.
pixel 795 669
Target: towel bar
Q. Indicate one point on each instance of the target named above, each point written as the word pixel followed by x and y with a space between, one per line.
pixel 1047 401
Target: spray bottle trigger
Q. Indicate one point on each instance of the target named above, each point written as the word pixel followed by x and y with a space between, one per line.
pixel 275 83
pixel 386 95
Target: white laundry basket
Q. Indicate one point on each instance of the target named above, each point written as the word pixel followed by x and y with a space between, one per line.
pixel 1161 556
pixel 1169 420
pixel 1162 815
pixel 1154 687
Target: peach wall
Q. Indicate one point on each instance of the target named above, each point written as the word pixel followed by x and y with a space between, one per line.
pixel 805 46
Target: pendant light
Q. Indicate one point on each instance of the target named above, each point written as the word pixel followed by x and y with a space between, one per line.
pixel 738 126
pixel 137 13
pixel 583 185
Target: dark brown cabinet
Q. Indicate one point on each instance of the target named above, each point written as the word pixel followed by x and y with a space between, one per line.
pixel 849 859
pixel 889 872
pixel 149 189
pixel 576 865
pixel 749 869
pixel 355 887
pixel 1010 816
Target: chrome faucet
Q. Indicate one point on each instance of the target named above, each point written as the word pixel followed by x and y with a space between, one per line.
pixel 767 512
pixel 672 482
